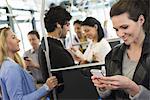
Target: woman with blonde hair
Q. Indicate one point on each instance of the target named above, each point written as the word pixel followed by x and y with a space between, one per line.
pixel 3 49
pixel 16 83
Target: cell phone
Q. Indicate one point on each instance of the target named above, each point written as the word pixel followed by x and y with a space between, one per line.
pixel 26 58
pixel 96 72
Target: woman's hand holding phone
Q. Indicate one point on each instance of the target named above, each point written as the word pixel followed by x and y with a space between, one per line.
pixel 116 82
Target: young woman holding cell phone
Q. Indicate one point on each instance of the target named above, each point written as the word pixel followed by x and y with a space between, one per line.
pixel 128 64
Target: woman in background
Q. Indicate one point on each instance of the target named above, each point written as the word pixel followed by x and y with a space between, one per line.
pixel 16 83
pixel 98 46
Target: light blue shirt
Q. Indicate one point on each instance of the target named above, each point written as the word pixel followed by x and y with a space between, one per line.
pixel 17 84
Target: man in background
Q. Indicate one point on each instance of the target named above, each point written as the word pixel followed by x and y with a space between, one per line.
pixel 57 24
pixel 31 57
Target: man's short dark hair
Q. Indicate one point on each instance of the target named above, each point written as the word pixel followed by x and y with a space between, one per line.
pixel 56 15
pixel 34 32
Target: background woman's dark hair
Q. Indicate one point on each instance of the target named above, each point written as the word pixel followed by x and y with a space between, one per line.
pixel 134 8
pixel 90 21
pixel 77 22
pixel 56 15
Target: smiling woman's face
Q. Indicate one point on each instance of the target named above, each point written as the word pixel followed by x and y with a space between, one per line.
pixel 127 29
pixel 90 32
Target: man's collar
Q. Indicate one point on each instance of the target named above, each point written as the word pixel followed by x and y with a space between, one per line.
pixel 33 50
